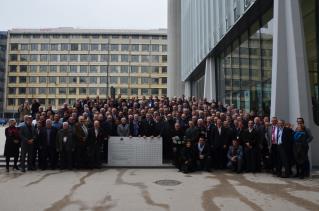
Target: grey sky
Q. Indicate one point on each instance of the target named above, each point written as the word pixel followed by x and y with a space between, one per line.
pixel 113 14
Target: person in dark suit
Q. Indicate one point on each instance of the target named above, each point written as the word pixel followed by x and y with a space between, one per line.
pixel 27 137
pixel 230 134
pixel 283 144
pixel 47 145
pixel 192 132
pixel 158 126
pixel 250 144
pixel 187 157
pixel 209 130
pixel 135 126
pixel 260 130
pixel 107 131
pixel 235 156
pixel 219 146
pixel 95 141
pixel 300 150
pixel 147 126
pixel 202 154
pixel 65 146
pixel 177 144
pixel 81 134
pixel 12 145
pixel 167 133
pixel 271 137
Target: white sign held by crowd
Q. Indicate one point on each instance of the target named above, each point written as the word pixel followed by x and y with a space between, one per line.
pixel 135 151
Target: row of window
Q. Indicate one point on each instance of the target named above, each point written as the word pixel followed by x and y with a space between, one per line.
pixel 86 69
pixel 87 36
pixel 85 80
pixel 87 58
pixel 87 47
pixel 84 91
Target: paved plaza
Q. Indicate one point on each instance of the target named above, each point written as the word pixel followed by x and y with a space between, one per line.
pixel 153 189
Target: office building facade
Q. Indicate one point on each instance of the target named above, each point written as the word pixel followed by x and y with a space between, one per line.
pixel 3 48
pixel 64 64
pixel 259 55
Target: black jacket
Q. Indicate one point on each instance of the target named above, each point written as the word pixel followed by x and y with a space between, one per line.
pixel 43 138
pixel 219 140
pixel 250 137
pixel 147 127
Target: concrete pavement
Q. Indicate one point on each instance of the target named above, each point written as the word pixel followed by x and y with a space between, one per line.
pixel 137 189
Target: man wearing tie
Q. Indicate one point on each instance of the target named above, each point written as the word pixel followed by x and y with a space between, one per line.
pixel 47 145
pixel 272 144
pixel 81 134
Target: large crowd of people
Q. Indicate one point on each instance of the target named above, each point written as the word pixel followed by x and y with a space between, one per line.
pixel 197 134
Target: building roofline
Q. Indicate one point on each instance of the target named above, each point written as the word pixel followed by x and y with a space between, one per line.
pixel 70 30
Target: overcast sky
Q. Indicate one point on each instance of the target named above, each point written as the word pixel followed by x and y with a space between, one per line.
pixel 112 14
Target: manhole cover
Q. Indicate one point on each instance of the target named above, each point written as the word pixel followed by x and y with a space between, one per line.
pixel 168 182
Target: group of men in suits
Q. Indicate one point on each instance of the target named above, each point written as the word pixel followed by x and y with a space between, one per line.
pixel 215 146
pixel 197 135
pixel 252 148
pixel 74 145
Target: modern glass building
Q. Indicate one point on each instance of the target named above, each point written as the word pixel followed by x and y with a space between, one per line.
pixel 259 55
pixel 64 64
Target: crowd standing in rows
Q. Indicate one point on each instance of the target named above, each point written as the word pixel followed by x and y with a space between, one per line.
pixel 198 135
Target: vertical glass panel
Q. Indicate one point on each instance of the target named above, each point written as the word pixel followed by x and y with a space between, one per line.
pixel 266 36
pixel 310 13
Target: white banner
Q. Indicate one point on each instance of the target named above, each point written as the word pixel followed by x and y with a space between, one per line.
pixel 135 151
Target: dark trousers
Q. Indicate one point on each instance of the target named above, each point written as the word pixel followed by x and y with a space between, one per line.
pixel 283 160
pixel 176 155
pixel 66 159
pixel 8 161
pixel 27 149
pixel 167 150
pixel 219 158
pixel 36 155
pixel 203 164
pixel 274 158
pixel 94 156
pixel 236 166
pixel 251 159
pixel 48 154
pixel 81 160
pixel 105 150
pixel 187 167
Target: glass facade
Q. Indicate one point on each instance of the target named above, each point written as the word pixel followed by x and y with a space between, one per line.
pixel 198 87
pixel 244 68
pixel 310 13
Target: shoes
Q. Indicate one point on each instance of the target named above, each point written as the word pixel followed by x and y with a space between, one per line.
pixel 23 170
pixel 7 169
pixel 16 168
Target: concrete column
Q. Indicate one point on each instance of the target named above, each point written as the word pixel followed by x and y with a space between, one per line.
pixel 210 79
pixel 290 92
pixel 188 89
pixel 175 86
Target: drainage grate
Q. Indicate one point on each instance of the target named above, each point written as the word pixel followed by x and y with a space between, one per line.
pixel 168 182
